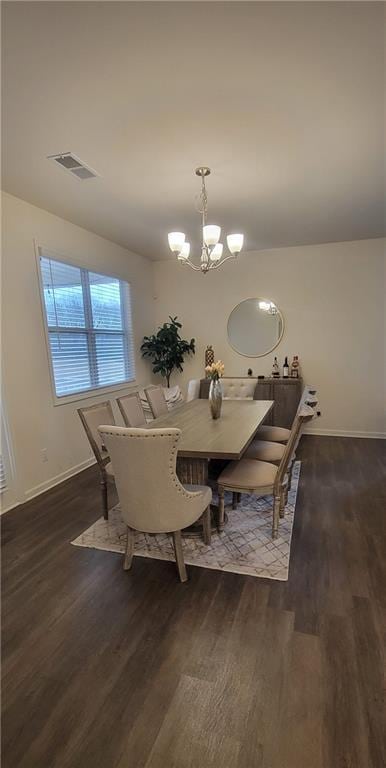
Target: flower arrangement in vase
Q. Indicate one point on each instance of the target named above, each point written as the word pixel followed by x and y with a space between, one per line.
pixel 214 372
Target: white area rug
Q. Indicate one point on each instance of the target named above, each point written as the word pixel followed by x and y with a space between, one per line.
pixel 245 546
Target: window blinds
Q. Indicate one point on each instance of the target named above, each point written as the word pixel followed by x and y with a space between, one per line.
pixel 88 317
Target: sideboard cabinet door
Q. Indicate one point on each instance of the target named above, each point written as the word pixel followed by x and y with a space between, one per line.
pixel 286 395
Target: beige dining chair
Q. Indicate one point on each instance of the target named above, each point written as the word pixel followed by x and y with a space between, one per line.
pixel 91 417
pixel 266 450
pixel 157 401
pixel 152 499
pixel 131 409
pixel 281 434
pixel 262 478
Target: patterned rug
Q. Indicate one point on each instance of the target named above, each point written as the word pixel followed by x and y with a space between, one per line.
pixel 245 546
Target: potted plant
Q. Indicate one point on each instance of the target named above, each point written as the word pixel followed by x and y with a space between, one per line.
pixel 166 349
pixel 214 373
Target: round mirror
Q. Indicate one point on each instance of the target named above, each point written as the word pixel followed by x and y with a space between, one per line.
pixel 255 327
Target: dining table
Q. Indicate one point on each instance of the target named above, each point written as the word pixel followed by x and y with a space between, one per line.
pixel 204 439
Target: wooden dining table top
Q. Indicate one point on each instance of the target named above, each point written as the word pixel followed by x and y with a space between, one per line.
pixel 223 438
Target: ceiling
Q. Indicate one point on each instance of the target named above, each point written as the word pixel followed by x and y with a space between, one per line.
pixel 284 101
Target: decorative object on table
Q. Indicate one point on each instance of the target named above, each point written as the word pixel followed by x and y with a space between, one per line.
pixel 209 355
pixel 250 372
pixel 275 369
pixel 295 372
pixel 214 372
pixel 211 249
pixel 166 349
pixel 285 368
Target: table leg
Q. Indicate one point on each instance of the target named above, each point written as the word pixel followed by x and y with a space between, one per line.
pixel 192 471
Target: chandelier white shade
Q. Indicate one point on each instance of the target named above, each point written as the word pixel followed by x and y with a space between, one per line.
pixel 211 249
pixel 235 243
pixel 211 234
pixel 216 254
pixel 176 240
pixel 184 252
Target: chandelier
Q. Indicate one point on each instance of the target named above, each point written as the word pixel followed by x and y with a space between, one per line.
pixel 211 249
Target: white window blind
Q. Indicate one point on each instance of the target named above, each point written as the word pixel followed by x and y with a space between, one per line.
pixel 88 317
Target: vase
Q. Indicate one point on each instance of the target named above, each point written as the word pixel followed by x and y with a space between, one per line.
pixel 215 398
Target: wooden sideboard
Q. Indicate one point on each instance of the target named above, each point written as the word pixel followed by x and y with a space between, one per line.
pixel 285 393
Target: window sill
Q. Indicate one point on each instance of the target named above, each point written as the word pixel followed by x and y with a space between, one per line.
pixel 90 394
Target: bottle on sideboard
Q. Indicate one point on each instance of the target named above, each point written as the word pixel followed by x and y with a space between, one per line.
pixel 275 369
pixel 295 367
pixel 285 369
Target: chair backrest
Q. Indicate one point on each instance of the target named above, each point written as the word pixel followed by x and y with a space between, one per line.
pixel 308 397
pixel 151 496
pixel 309 401
pixel 157 401
pixel 91 418
pixel 131 409
pixel 304 415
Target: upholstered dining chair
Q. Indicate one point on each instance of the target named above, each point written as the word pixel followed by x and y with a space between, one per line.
pixel 91 417
pixel 267 450
pixel 151 497
pixel 131 409
pixel 157 401
pixel 263 478
pixel 281 434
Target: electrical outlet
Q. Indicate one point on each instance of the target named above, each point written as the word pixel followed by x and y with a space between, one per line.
pixel 44 454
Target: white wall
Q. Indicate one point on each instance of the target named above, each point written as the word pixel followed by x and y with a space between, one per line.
pixel 333 301
pixel 34 422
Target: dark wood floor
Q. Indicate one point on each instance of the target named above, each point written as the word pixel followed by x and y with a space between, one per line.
pixel 106 669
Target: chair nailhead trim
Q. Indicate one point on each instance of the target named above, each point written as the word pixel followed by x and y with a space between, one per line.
pixel 189 495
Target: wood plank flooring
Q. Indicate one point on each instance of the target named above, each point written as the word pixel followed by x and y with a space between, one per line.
pixel 106 669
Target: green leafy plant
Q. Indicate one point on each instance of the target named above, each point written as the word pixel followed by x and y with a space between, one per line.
pixel 166 349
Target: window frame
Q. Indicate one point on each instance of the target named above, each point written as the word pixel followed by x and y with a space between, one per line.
pixel 43 251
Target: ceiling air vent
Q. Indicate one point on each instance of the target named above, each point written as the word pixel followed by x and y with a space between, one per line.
pixel 73 165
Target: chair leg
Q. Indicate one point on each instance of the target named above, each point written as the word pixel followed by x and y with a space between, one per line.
pixel 276 516
pixel 105 505
pixel 290 476
pixel 283 501
pixel 221 510
pixel 235 500
pixel 129 551
pixel 177 543
pixel 207 526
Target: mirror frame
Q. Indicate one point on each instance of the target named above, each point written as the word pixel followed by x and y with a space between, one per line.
pixel 256 298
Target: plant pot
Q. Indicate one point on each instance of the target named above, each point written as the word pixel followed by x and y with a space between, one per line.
pixel 215 398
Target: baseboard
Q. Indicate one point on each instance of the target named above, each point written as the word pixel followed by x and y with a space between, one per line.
pixel 345 433
pixel 42 487
pixel 15 504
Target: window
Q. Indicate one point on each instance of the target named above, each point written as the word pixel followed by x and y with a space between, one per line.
pixel 88 318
